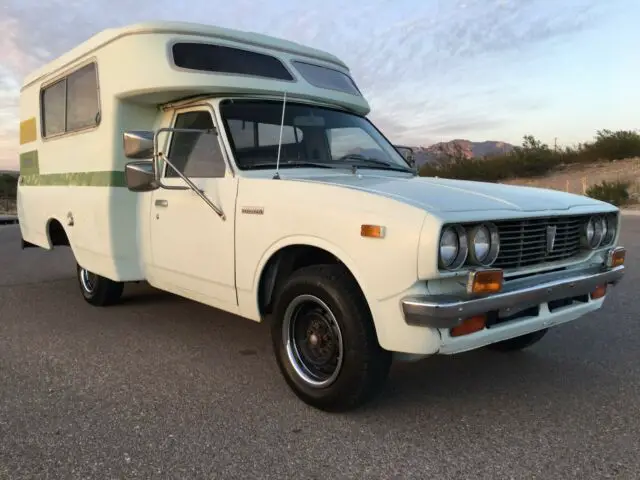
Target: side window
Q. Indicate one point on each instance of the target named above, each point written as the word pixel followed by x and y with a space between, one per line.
pixel 82 98
pixel 54 99
pixel 195 154
pixel 72 103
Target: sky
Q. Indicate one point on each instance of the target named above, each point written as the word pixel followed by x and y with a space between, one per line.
pixel 432 70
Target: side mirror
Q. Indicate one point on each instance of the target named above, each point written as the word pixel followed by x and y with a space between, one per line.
pixel 408 154
pixel 138 144
pixel 140 176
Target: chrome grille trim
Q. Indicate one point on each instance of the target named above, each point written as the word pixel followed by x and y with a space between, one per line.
pixel 523 242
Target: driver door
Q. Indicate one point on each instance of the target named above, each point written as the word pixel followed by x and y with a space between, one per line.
pixel 192 247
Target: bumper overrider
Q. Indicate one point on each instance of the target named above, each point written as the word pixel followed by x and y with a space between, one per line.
pixel 450 311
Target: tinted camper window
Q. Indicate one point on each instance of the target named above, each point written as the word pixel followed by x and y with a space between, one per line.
pixel 216 58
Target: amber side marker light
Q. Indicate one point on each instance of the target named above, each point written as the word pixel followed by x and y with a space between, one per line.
pixel 470 325
pixel 616 257
pixel 372 231
pixel 485 281
pixel 599 292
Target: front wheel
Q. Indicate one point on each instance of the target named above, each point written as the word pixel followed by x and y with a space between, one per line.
pixel 97 290
pixel 324 340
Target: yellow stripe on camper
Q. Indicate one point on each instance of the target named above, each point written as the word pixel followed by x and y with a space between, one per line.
pixel 28 131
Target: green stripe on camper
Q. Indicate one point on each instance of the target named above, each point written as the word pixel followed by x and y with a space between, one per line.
pixel 29 163
pixel 30 175
pixel 74 179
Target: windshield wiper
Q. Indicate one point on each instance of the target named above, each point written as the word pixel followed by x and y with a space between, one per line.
pixel 371 162
pixel 290 164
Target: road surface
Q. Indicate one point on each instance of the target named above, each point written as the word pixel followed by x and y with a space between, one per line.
pixel 161 387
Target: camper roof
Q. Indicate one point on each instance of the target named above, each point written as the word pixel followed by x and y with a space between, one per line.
pixel 185 28
pixel 161 62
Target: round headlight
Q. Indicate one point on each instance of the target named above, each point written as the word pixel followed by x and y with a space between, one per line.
pixel 449 246
pixel 484 244
pixel 600 226
pixel 595 230
pixel 612 225
pixel 481 243
pixel 453 247
pixel 590 230
pixel 605 228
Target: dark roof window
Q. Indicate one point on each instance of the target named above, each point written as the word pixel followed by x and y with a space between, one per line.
pixel 324 77
pixel 217 58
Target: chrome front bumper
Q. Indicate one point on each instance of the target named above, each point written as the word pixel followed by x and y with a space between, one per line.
pixel 448 311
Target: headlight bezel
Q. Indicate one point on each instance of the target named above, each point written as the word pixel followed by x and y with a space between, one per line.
pixel 611 220
pixel 494 244
pixel 463 247
pixel 466 254
pixel 605 230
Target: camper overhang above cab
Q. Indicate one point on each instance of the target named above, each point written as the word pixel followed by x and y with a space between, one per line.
pixel 160 62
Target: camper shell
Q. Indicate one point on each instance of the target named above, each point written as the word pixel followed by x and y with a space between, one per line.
pixel 133 78
pixel 240 171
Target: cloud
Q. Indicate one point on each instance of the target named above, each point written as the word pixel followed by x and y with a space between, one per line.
pixel 427 67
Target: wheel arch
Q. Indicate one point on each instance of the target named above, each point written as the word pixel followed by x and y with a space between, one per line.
pixel 56 234
pixel 290 254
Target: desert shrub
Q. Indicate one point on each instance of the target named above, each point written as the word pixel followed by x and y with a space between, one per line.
pixel 610 145
pixel 534 158
pixel 616 193
pixel 8 185
pixel 531 159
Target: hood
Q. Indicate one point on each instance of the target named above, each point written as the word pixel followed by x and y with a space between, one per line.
pixel 445 195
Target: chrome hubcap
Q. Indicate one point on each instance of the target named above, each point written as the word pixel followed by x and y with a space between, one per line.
pixel 88 280
pixel 313 341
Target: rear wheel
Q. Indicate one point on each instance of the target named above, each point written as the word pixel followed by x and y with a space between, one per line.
pixel 324 341
pixel 97 290
pixel 518 343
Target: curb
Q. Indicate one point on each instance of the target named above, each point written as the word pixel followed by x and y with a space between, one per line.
pixel 631 213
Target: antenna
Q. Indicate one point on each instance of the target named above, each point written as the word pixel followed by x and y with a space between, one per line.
pixel 284 104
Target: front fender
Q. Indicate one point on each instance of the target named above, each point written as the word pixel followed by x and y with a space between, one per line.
pixel 317 242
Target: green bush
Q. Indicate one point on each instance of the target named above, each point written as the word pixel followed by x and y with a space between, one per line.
pixel 534 158
pixel 8 185
pixel 616 193
pixel 611 146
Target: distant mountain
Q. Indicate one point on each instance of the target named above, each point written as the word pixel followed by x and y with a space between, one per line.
pixel 442 151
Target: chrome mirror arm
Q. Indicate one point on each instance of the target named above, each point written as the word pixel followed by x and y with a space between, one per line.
pixel 158 155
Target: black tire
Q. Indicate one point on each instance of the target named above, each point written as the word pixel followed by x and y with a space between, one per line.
pixel 518 343
pixel 364 366
pixel 98 290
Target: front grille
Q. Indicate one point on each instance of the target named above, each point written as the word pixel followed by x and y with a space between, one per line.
pixel 523 243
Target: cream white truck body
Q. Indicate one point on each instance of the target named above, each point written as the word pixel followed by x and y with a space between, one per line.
pixel 173 240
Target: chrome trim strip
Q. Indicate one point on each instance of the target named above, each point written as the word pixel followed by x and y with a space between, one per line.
pixel 448 311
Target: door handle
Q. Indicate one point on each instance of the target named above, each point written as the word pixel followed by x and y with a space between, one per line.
pixel 162 203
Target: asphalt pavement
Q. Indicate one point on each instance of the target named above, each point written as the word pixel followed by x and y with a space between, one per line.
pixel 162 387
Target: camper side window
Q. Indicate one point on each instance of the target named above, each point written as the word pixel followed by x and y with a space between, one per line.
pixel 71 104
pixel 195 154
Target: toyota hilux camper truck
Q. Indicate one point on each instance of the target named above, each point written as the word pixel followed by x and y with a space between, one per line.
pixel 240 171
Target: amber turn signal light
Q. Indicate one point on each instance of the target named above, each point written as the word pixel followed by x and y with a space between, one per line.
pixel 372 231
pixel 599 292
pixel 485 281
pixel 470 325
pixel 617 257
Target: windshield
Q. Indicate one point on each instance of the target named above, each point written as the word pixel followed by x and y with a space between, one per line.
pixel 311 136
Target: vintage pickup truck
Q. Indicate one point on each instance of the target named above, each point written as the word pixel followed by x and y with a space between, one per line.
pixel 240 171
